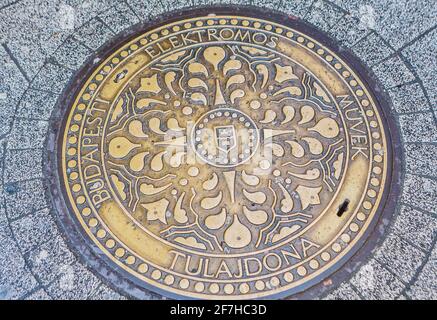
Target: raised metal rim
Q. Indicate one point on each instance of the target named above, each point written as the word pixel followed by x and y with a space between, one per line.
pixel 90 254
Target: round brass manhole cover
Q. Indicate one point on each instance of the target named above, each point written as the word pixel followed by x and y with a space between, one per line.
pixel 224 157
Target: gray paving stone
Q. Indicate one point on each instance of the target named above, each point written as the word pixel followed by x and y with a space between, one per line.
pixel 393 72
pixel 420 192
pixel 422 54
pixel 298 8
pixel 27 134
pixel 343 292
pixel 71 54
pixel 75 282
pixel 36 105
pixel 52 78
pixel 400 257
pixel 15 278
pixel 418 127
pixel 23 164
pixel 421 159
pixel 119 17
pixel 372 49
pixel 39 295
pixel 374 282
pixel 34 229
pixel 409 98
pixel 93 34
pixel 324 15
pixel 12 86
pixel 50 259
pixel 33 34
pixel 416 226
pixel 425 286
pixel 144 9
pixel 24 197
pixel 347 31
pixel 398 21
pixel 106 293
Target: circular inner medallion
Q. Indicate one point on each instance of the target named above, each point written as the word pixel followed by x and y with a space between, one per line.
pixel 224 157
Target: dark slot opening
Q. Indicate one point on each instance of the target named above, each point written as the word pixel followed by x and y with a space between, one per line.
pixel 343 208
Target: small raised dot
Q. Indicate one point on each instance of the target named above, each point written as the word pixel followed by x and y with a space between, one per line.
pixel 244 288
pixel 375 135
pixel 288 276
pixel 325 256
pixel 354 227
pixel 377 158
pixel 74 128
pixel 228 289
pixel 169 279
pixel 74 175
pixel 245 23
pixel 165 32
pixel 346 74
pixel 86 211
pixel 110 243
pixel 187 110
pixel 199 287
pixel 255 104
pixel 234 21
pixel 193 171
pixel 222 21
pixel 359 92
pixel 176 28
pixel 257 25
pixel 353 83
pixel 135 47
pixel 369 113
pixel 274 281
pixel 314 264
pixel 373 124
pixel 80 200
pixel 300 39
pixel 361 216
pixel 184 283
pixel 371 193
pixel 199 23
pixel 120 252
pixel 130 260
pixel 99 77
pixel 142 268
pixel 289 34
pixel 302 271
pixel 365 103
pixel 115 60
pixel 374 182
pixel 72 163
pixel 276 173
pixel 367 205
pixel 320 51
pixel 214 288
pixel 260 285
pixel 210 22
pixel 154 36
pixel 377 170
pixel 345 238
pixel 101 233
pixel 92 222
pixel 81 106
pixel 337 66
pixel 183 182
pixel 156 274
pixel 310 45
pixel 329 58
pixel 76 187
pixel 279 30
pixel 71 151
pixel 336 247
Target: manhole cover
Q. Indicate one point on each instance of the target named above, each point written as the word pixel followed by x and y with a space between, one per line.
pixel 223 157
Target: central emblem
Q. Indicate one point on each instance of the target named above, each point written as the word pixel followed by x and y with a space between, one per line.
pixel 225 137
pixel 221 157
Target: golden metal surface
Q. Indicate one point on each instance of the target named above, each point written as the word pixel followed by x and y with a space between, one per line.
pixel 224 157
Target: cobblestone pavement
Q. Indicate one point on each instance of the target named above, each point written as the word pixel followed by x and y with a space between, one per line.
pixel 42 43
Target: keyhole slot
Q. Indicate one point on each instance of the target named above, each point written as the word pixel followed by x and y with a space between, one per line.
pixel 343 208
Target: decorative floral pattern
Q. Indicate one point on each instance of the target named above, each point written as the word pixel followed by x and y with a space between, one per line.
pixel 175 172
